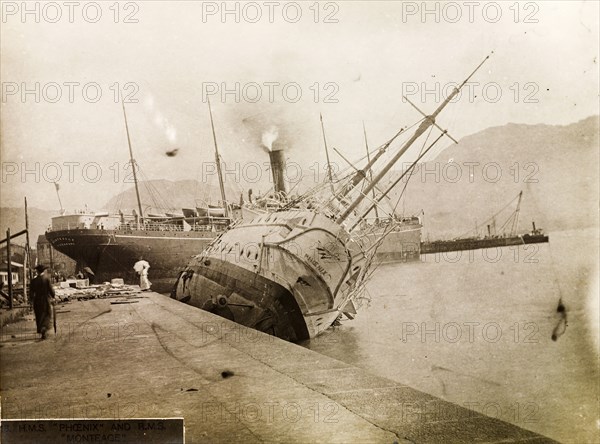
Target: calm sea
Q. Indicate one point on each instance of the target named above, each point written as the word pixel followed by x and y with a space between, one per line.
pixel 475 328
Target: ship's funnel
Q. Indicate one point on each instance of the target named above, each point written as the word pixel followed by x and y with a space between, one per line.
pixel 276 156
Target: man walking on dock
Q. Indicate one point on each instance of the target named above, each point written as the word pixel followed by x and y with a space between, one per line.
pixel 41 293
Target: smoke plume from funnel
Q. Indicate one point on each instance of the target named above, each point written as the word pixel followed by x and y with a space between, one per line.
pixel 268 137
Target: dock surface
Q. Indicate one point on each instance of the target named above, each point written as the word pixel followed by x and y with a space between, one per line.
pixel 154 357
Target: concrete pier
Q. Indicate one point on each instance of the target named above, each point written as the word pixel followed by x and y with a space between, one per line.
pixel 151 356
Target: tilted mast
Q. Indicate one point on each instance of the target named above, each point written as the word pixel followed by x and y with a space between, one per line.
pixel 428 122
pixel 218 161
pixel 362 174
pixel 370 170
pixel 329 176
pixel 515 225
pixel 133 164
pixel 378 199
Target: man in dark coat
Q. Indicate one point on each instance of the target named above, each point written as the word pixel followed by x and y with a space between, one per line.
pixel 41 293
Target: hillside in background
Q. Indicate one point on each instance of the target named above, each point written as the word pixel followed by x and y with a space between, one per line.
pixel 556 167
pixel 165 194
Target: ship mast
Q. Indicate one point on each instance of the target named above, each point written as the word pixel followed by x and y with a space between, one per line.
pixel 329 176
pixel 428 122
pixel 378 199
pixel 370 170
pixel 133 164
pixel 516 219
pixel 361 174
pixel 218 161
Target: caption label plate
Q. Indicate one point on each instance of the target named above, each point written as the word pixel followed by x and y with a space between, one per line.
pixel 147 430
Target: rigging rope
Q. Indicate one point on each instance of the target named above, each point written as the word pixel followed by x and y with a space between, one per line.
pixel 412 170
pixel 490 219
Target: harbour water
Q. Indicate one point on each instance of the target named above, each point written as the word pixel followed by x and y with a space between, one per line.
pixel 475 328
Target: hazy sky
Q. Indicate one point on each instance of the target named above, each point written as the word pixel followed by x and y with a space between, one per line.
pixel 362 55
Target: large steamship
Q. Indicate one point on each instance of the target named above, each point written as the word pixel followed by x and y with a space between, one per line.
pixel 294 271
pixel 109 244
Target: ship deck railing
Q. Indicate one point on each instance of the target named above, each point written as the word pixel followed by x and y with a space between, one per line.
pixel 142 226
pixel 167 227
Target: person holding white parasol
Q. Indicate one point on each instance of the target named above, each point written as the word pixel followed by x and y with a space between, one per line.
pixel 141 267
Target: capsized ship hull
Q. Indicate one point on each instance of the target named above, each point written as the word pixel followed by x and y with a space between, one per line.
pixel 289 273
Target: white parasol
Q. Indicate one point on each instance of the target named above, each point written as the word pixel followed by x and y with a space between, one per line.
pixel 140 265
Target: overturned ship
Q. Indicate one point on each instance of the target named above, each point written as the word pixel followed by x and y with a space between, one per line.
pixel 292 272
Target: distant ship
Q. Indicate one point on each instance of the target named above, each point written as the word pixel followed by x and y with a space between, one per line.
pixel 296 270
pixel 536 236
pixel 403 243
pixel 492 239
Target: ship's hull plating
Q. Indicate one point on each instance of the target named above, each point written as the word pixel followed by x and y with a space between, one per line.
pixel 112 253
pixel 535 238
pixel 290 274
pixel 469 244
pixel 254 300
pixel 401 245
